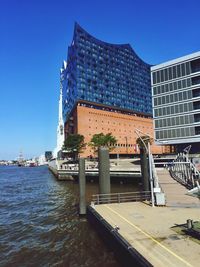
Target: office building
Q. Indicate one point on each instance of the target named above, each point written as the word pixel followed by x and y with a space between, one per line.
pixel 176 101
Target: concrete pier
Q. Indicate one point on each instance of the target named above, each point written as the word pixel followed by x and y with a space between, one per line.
pixel 124 170
pixel 148 233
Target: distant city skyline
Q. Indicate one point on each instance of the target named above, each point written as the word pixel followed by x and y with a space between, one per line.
pixel 34 41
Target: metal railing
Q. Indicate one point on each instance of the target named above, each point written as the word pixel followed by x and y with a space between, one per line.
pixel 121 197
pixel 183 171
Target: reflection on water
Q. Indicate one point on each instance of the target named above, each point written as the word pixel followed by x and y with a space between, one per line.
pixel 39 223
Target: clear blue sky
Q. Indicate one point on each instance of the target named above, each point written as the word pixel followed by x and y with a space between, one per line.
pixel 35 34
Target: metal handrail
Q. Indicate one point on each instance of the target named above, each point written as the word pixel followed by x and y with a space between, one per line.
pixel 121 197
pixel 184 171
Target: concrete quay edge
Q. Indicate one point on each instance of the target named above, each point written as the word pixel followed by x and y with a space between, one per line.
pixel 124 252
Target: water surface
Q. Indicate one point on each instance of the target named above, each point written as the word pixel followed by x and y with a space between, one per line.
pixel 39 222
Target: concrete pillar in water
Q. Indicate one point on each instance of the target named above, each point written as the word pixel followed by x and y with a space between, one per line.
pixel 144 169
pixel 82 183
pixel 104 170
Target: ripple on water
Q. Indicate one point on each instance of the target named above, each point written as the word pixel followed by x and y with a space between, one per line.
pixel 39 223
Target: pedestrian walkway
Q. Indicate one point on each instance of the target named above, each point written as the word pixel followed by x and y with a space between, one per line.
pixel 175 193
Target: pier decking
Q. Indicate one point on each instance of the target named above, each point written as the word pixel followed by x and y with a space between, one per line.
pixel 148 231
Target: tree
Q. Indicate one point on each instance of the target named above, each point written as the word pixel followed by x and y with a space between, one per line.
pixel 105 140
pixel 74 144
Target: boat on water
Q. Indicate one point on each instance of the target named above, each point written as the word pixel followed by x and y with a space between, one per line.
pixel 20 164
pixel 20 160
pixel 31 164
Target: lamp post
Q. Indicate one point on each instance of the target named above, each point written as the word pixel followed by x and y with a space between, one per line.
pixel 153 180
pixel 151 177
pixel 150 165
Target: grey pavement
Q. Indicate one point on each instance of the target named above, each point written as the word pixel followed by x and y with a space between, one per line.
pixel 175 193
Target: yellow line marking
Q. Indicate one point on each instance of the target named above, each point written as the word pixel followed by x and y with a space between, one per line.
pixel 150 237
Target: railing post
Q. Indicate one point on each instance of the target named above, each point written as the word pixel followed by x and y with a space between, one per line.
pixel 97 199
pixel 118 196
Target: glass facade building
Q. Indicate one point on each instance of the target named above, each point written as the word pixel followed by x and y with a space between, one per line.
pixel 104 73
pixel 176 100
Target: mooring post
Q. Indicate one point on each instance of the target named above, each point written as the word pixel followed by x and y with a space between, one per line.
pixel 82 182
pixel 104 171
pixel 144 169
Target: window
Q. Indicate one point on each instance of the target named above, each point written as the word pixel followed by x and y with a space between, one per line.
pixel 184 95
pixel 180 96
pixel 183 83
pixel 158 76
pixel 179 70
pixel 183 69
pixel 175 86
pixel 170 87
pixel 170 73
pixel 155 101
pixel 176 109
pixel 181 108
pixel 182 132
pixel 168 110
pixel 187 68
pixel 166 75
pixel 174 72
pixel 179 85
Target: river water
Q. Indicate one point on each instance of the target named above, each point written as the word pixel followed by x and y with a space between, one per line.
pixel 39 222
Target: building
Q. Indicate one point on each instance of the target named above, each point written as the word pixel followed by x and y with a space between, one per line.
pixel 176 102
pixel 60 128
pixel 106 88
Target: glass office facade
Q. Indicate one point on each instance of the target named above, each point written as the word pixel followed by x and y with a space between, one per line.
pixel 107 74
pixel 176 100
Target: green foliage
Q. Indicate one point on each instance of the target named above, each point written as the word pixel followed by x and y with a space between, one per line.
pixel 105 140
pixel 74 144
pixel 145 140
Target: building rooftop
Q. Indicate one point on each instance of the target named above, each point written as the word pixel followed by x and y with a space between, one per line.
pixel 175 61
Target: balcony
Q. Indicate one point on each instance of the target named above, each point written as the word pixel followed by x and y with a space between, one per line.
pixel 197 130
pixel 196 105
pixel 196 92
pixel 197 117
pixel 196 80
pixel 195 65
